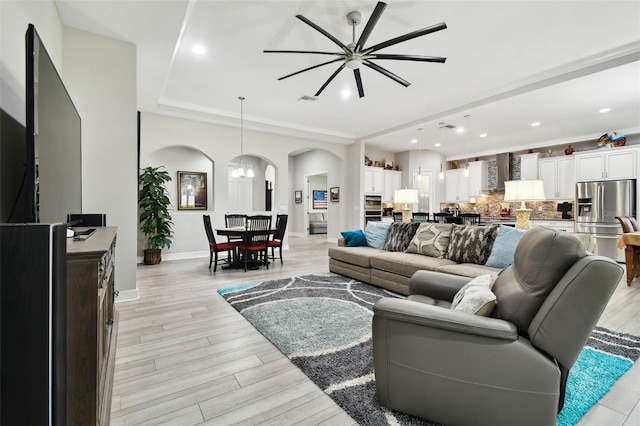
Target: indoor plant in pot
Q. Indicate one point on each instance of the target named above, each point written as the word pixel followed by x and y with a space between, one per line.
pixel 155 220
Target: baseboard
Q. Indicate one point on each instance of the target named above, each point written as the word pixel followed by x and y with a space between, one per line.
pixel 180 256
pixel 127 295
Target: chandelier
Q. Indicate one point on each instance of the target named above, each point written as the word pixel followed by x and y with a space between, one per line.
pixel 242 169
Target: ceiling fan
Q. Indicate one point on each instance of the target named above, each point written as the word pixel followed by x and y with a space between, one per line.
pixel 355 54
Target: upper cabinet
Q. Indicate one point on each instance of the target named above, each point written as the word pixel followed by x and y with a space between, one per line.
pixel 456 186
pixel 478 177
pixel 558 177
pixel 529 166
pixel 391 180
pixel 607 164
pixel 373 180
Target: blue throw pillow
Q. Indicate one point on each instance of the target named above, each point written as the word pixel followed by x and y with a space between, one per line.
pixel 376 233
pixel 504 247
pixel 354 238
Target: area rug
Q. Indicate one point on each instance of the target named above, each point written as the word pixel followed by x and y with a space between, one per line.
pixel 322 323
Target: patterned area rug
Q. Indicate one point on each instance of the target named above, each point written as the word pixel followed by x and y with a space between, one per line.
pixel 322 323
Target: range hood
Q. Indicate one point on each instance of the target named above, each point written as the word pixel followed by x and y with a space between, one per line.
pixel 503 170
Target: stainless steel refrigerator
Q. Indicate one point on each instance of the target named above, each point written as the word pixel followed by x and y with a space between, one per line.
pixel 598 205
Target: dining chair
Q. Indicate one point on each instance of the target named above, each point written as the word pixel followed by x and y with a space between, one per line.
pixel 397 216
pixel 453 219
pixel 441 217
pixel 232 221
pixel 256 240
pixel 276 241
pixel 215 248
pixel 626 224
pixel 470 218
pixel 634 223
pixel 420 216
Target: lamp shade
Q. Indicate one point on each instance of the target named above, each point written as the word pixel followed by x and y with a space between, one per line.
pixel 406 196
pixel 524 190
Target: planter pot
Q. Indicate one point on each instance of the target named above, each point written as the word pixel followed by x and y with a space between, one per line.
pixel 152 257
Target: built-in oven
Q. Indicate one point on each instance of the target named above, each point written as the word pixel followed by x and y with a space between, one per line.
pixel 372 207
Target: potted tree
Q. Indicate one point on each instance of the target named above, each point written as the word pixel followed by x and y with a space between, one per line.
pixel 155 220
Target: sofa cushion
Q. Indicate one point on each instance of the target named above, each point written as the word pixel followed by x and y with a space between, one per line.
pixel 504 246
pixel 316 217
pixel 359 256
pixel 471 243
pixel 400 235
pixel 405 264
pixel 376 233
pixel 354 238
pixel 476 296
pixel 431 239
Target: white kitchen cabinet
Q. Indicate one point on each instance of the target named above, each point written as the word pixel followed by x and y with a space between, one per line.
pixel 478 177
pixel 456 186
pixel 391 180
pixel 529 165
pixel 373 180
pixel 607 164
pixel 558 177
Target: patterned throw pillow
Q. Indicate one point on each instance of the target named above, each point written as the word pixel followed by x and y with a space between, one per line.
pixel 400 235
pixel 476 296
pixel 471 243
pixel 431 239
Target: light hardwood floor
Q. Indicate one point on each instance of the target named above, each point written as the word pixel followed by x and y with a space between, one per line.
pixel 185 357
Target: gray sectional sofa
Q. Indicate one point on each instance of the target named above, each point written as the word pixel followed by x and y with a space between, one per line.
pixel 393 269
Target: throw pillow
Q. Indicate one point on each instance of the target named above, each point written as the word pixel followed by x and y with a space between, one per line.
pixel 431 239
pixel 471 243
pixel 400 235
pixel 476 296
pixel 354 238
pixel 376 233
pixel 504 246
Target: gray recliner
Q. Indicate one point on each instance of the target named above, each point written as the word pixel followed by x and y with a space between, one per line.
pixel 511 368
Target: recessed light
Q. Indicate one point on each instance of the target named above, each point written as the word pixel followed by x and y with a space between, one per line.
pixel 535 124
pixel 438 144
pixel 460 130
pixel 198 49
pixel 414 140
pixel 603 110
pixel 346 93
pixel 483 135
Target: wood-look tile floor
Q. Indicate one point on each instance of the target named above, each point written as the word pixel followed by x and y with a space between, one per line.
pixel 185 357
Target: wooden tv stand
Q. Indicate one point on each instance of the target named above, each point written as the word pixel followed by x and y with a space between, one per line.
pixel 92 325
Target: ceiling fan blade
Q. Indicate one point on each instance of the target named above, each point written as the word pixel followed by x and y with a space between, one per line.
pixel 407 57
pixel 356 73
pixel 371 23
pixel 387 73
pixel 409 36
pixel 326 83
pixel 310 68
pixel 323 32
pixel 304 51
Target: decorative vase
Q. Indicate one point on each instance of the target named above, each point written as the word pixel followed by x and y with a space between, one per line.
pixel 569 150
pixel 152 256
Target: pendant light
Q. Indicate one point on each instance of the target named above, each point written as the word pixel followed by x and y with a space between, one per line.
pixel 419 154
pixel 466 167
pixel 242 169
pixel 441 174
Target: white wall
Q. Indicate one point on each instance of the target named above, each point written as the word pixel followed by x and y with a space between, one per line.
pixel 100 74
pixel 215 141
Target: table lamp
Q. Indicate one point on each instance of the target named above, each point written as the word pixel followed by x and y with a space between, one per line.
pixel 405 196
pixel 523 190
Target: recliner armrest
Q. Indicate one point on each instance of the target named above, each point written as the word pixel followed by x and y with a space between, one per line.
pixel 437 285
pixel 442 318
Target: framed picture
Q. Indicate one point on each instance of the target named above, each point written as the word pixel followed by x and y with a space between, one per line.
pixel 334 194
pixel 298 196
pixel 319 200
pixel 192 191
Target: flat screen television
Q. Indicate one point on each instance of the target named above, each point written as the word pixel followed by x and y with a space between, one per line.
pixel 53 144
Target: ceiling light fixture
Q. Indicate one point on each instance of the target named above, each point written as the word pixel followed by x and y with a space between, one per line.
pixel 603 110
pixel 420 154
pixel 466 167
pixel 483 135
pixel 535 124
pixel 198 49
pixel 242 169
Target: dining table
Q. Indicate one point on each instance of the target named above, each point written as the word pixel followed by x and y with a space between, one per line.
pixel 630 241
pixel 242 232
